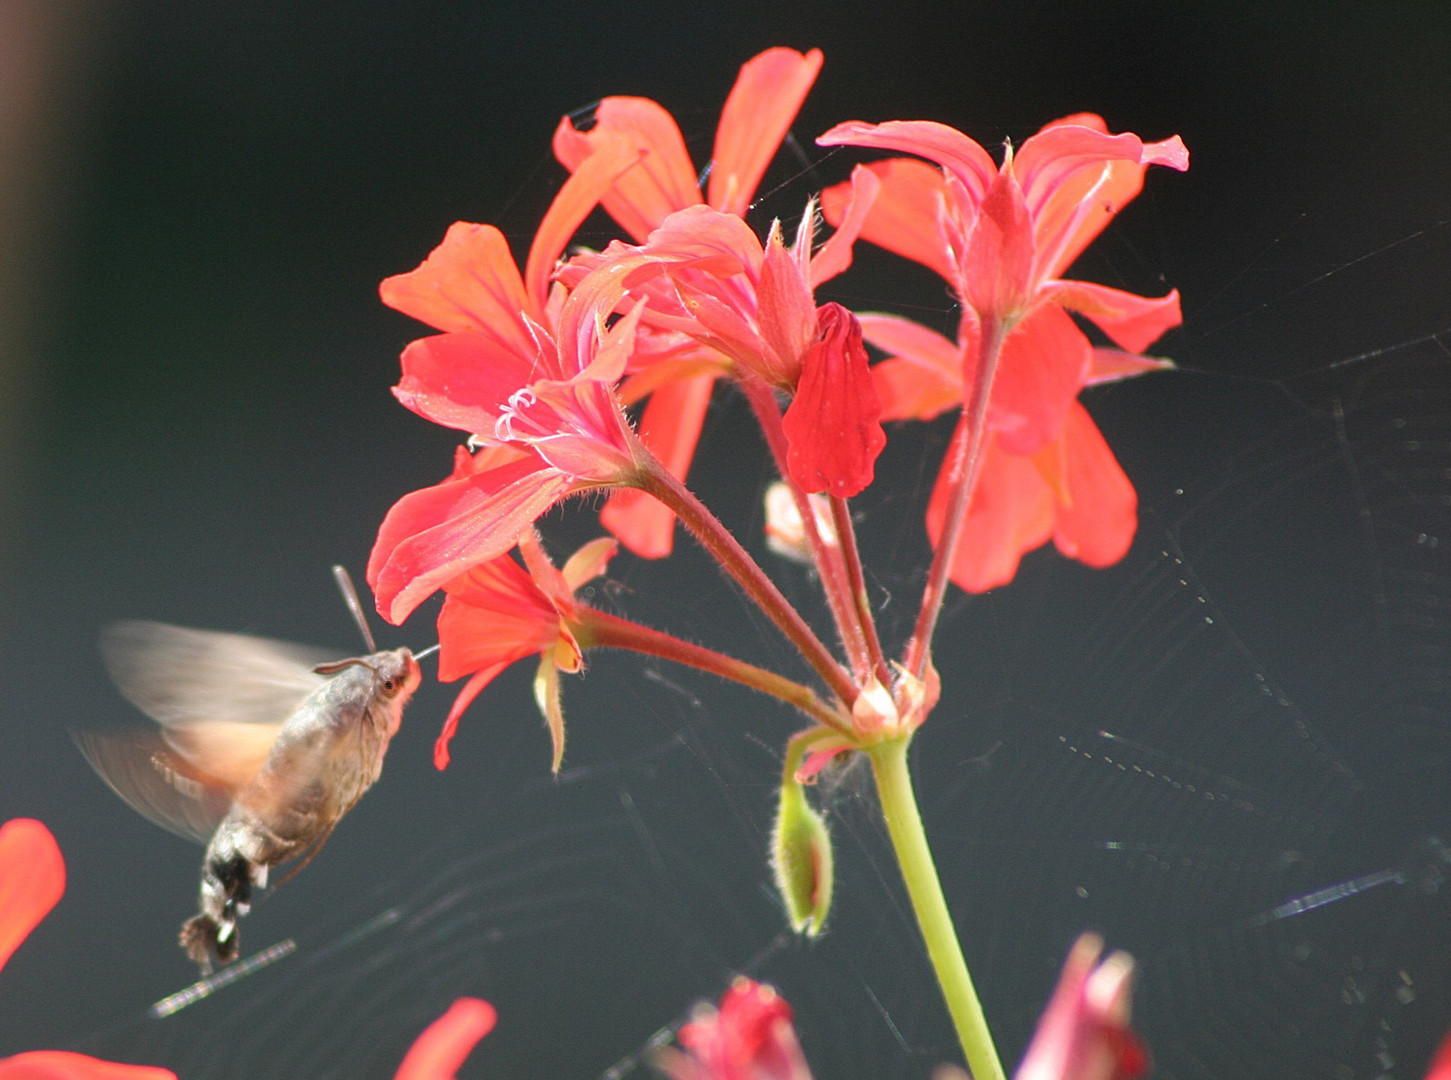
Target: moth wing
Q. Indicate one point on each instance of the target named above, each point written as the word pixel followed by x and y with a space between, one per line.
pixel 159 783
pixel 181 677
pixel 228 753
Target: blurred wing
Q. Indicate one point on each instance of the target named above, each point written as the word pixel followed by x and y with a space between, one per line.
pixel 180 677
pixel 158 783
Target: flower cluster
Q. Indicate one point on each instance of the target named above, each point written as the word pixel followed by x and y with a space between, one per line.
pixel 539 366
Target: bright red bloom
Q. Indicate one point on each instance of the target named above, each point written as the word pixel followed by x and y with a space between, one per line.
pixel 499 612
pixel 1071 490
pixel 750 1037
pixel 1084 1033
pixel 705 277
pixel 758 113
pixel 1000 237
pixel 32 881
pixel 528 373
pixel 441 1049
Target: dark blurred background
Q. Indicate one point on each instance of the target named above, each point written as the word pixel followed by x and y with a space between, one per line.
pixel 1227 754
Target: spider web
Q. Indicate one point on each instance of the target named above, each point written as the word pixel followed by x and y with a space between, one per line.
pixel 1228 754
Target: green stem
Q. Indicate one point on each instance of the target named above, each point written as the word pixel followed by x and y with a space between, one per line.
pixel 909 841
pixel 600 629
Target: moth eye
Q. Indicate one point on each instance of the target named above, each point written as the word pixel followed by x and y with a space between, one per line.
pixel 390 686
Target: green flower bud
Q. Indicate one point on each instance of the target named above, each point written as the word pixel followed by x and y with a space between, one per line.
pixel 801 860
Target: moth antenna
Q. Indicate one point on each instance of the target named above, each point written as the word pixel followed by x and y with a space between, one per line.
pixel 427 652
pixel 355 607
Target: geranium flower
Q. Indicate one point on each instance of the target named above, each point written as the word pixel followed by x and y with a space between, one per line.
pixel 32 881
pixel 499 612
pixel 1071 490
pixel 703 275
pixel 1084 1033
pixel 441 1049
pixel 750 1037
pixel 758 113
pixel 1000 237
pixel 528 373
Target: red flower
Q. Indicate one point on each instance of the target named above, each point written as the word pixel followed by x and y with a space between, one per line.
pixel 1071 490
pixel 1000 237
pixel 750 1037
pixel 527 373
pixel 704 276
pixel 759 111
pixel 499 612
pixel 32 881
pixel 441 1049
pixel 1084 1033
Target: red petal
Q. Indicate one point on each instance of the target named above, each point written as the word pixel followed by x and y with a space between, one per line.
pixel 494 614
pixel 1077 177
pixel 947 146
pixel 614 158
pixel 445 1043
pixel 908 215
pixel 468 283
pixel 471 690
pixel 1044 363
pixel 433 535
pixel 998 266
pixel 834 256
pixel 32 880
pixel 462 380
pixel 832 425
pixel 1011 513
pixel 662 182
pixel 1441 1064
pixel 64 1065
pixel 1097 525
pixel 1134 322
pixel 1111 365
pixel 670 429
pixel 757 114
pixel 923 376
pixel 786 313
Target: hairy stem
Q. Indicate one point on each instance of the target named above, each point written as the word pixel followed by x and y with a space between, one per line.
pixel 968 440
pixel 717 539
pixel 827 556
pixel 600 629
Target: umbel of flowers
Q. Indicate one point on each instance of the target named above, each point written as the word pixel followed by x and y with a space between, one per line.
pixel 591 370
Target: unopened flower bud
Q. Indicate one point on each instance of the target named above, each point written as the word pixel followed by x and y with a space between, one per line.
pixel 786 532
pixel 802 862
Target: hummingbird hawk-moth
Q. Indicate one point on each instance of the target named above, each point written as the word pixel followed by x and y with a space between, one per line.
pixel 261 748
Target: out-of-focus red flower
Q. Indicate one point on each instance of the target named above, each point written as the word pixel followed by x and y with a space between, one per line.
pixel 499 612
pixel 1000 237
pixel 1441 1064
pixel 528 373
pixel 758 113
pixel 749 1037
pixel 1084 1033
pixel 32 881
pixel 441 1049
